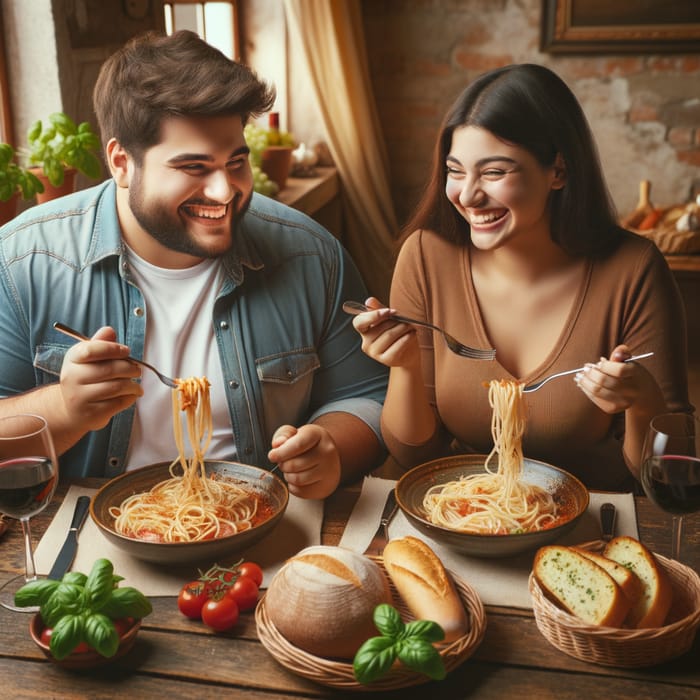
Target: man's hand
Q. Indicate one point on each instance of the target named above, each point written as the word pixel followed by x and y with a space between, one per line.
pixel 97 381
pixel 309 459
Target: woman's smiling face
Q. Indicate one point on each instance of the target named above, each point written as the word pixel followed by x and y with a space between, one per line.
pixel 500 189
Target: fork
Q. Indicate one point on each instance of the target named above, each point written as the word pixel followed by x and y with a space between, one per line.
pixel 534 387
pixel 67 330
pixel 354 307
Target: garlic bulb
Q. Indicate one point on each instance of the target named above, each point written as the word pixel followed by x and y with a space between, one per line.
pixel 690 219
pixel 304 156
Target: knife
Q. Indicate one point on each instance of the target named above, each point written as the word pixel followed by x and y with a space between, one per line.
pixel 70 546
pixel 381 536
pixel 608 515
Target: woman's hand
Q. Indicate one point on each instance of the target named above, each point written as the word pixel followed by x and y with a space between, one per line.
pixel 97 381
pixel 387 341
pixel 309 459
pixel 615 385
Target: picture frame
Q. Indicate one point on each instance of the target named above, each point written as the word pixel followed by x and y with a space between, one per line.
pixel 620 26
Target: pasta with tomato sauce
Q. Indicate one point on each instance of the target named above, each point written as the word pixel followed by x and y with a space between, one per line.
pixel 497 501
pixel 189 506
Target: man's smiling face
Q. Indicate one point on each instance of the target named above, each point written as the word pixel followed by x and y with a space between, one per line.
pixel 191 188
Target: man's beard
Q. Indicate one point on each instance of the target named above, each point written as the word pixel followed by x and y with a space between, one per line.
pixel 169 230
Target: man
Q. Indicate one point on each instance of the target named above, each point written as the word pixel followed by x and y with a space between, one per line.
pixel 175 260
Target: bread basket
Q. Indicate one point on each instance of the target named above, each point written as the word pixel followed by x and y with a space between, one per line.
pixel 628 648
pixel 339 674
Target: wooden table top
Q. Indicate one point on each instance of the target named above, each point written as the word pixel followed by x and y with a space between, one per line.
pixel 179 658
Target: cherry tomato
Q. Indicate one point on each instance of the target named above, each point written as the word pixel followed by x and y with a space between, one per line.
pixel 220 613
pixel 46 639
pixel 46 635
pixel 245 592
pixel 192 598
pixel 123 625
pixel 249 569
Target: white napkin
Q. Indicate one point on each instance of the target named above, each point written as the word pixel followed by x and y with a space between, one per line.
pixel 300 527
pixel 497 581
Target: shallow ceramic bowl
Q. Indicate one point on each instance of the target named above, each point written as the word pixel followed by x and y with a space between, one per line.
pixel 87 659
pixel 272 489
pixel 568 491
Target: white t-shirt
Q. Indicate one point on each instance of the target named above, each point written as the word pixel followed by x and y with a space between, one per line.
pixel 180 342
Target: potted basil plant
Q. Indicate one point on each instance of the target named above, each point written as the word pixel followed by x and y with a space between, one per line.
pixel 15 181
pixel 59 148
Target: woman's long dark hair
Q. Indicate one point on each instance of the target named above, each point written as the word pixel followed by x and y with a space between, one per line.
pixel 529 106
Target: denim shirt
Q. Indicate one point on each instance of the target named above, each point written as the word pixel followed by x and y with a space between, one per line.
pixel 288 352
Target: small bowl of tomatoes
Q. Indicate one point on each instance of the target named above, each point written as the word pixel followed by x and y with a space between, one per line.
pixel 84 657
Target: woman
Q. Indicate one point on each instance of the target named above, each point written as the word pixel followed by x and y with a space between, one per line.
pixel 515 246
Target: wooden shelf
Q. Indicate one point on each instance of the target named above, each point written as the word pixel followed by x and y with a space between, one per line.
pixel 311 194
pixel 684 263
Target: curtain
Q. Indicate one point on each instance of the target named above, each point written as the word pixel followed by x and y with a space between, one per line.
pixel 330 36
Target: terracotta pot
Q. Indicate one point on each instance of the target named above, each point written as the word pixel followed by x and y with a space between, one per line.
pixel 52 192
pixel 276 163
pixel 8 209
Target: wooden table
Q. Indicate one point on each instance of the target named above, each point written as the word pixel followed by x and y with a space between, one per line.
pixel 178 658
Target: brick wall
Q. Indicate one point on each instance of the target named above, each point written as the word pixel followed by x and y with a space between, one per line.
pixel 644 109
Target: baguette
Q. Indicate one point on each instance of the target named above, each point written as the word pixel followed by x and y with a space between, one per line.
pixel 424 585
pixel 580 586
pixel 653 605
pixel 625 578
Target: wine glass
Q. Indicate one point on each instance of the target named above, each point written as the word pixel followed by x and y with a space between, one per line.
pixel 670 471
pixel 28 478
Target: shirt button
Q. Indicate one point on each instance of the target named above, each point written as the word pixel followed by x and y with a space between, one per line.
pixel 223 325
pixel 138 311
pixel 289 374
pixel 249 450
pixel 233 384
pixel 114 461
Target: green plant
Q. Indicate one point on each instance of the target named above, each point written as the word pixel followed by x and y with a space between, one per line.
pixel 411 644
pixel 14 178
pixel 61 144
pixel 81 608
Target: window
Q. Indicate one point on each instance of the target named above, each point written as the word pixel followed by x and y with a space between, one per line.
pixel 5 120
pixel 215 22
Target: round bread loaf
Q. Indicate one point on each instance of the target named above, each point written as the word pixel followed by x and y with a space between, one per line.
pixel 323 599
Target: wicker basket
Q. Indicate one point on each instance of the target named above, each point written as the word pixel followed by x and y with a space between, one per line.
pixel 338 674
pixel 629 648
pixel 672 242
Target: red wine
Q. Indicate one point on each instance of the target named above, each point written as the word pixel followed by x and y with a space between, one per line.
pixel 26 485
pixel 673 483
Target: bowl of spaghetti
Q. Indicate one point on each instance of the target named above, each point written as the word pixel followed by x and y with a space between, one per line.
pixel 431 493
pixel 143 512
pixel 494 505
pixel 191 509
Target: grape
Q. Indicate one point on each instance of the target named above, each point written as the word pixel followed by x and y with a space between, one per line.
pixel 256 138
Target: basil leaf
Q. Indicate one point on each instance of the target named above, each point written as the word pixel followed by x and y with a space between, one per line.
pixel 373 659
pixel 101 634
pixel 422 656
pixel 425 629
pixel 99 584
pixel 75 577
pixel 126 602
pixel 66 635
pixel 388 621
pixel 66 599
pixel 35 592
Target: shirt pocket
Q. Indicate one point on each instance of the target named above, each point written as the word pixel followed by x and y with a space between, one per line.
pixel 48 360
pixel 286 381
